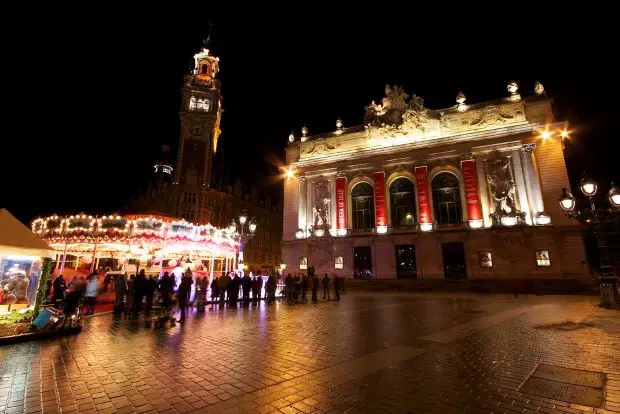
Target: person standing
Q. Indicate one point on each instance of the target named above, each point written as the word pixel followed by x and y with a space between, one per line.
pixel 120 290
pixel 315 288
pixel 270 288
pixel 59 291
pixel 326 287
pixel 165 290
pixel 246 286
pixel 305 281
pixel 151 287
pixel 183 293
pixel 337 286
pixel 222 285
pixel 129 298
pixel 139 290
pixel 91 293
pixel 258 287
pixel 215 291
pixel 288 284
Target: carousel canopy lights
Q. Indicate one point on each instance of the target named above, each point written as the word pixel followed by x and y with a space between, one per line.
pixel 133 235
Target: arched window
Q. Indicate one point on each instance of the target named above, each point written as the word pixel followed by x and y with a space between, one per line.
pixel 192 102
pixel 446 198
pixel 204 70
pixel 402 202
pixel 363 206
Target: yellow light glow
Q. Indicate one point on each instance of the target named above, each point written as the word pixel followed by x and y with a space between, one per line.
pixel 564 134
pixel 289 173
pixel 545 134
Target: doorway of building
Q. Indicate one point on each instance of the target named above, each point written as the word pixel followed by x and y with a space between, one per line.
pixel 405 261
pixel 454 261
pixel 362 262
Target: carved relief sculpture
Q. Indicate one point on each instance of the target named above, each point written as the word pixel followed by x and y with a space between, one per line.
pixel 320 207
pixel 502 190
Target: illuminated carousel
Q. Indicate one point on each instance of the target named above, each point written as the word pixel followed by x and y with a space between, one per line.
pixel 151 242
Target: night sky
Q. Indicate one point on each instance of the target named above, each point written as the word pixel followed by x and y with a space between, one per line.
pixel 89 100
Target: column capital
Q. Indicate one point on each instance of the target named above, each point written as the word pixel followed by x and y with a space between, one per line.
pixel 341 174
pixel 301 177
pixel 528 147
pixel 467 157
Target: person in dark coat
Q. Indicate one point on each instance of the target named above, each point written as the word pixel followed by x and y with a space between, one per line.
pixel 246 286
pixel 257 287
pixel 234 285
pixel 270 288
pixel 289 283
pixel 305 282
pixel 139 290
pixel 165 290
pixel 315 288
pixel 222 285
pixel 326 287
pixel 120 290
pixel 183 293
pixel 59 290
pixel 337 286
pixel 150 288
pixel 215 291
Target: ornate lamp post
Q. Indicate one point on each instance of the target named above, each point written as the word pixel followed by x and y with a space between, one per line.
pixel 243 233
pixel 593 218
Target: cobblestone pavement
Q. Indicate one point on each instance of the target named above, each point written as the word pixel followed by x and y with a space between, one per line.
pixel 373 353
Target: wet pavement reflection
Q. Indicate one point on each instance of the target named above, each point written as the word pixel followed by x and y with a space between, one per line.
pixel 368 352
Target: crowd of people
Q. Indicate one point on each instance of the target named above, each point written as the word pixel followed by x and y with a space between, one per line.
pixel 141 293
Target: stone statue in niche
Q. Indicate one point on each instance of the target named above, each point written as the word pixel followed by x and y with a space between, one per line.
pixel 502 189
pixel 320 206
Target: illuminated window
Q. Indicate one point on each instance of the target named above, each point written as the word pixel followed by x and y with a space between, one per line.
pixel 192 103
pixel 542 258
pixel 198 104
pixel 486 259
pixel 363 206
pixel 402 203
pixel 339 262
pixel 446 198
pixel 303 263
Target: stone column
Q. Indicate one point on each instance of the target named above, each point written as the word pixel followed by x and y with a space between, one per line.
pixel 332 205
pixel 532 184
pixel 341 204
pixel 301 222
pixel 483 192
pixel 474 213
pixel 380 208
pixel 521 191
pixel 424 204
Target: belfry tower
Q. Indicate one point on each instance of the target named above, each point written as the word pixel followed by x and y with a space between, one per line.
pixel 200 115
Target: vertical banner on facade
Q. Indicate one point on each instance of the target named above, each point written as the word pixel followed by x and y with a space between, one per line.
pixel 341 203
pixel 424 204
pixel 471 190
pixel 380 217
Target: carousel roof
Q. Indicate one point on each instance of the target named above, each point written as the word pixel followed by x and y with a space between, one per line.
pixel 17 239
pixel 134 235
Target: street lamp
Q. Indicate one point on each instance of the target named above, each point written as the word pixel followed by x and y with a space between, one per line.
pixel 614 195
pixel 242 234
pixel 593 218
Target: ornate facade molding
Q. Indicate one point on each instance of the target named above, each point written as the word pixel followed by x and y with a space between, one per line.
pixel 528 147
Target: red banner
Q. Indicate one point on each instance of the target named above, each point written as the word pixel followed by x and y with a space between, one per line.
pixel 341 203
pixel 380 218
pixel 471 190
pixel 424 204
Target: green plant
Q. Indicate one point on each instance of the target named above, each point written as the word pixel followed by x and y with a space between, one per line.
pixel 46 271
pixel 14 317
